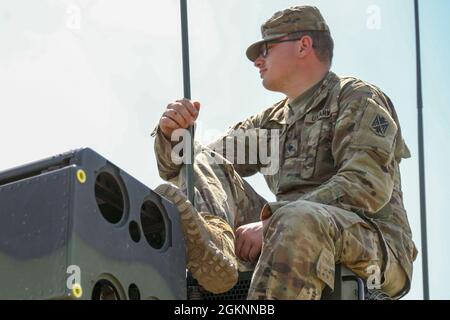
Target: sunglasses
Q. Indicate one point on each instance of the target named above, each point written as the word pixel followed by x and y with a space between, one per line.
pixel 264 49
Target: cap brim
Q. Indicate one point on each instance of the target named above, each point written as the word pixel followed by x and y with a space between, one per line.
pixel 254 50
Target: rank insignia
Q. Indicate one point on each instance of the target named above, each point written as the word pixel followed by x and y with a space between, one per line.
pixel 380 125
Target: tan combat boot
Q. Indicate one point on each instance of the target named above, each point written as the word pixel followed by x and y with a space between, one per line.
pixel 209 243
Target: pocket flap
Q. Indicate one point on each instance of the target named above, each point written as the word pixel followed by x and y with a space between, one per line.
pixel 325 267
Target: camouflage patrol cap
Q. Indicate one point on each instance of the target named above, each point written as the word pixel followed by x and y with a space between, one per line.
pixel 282 23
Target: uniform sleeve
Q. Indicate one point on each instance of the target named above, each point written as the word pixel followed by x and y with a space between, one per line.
pixel 163 149
pixel 237 145
pixel 240 146
pixel 363 150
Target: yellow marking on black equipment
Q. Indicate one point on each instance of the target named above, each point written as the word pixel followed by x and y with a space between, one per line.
pixel 81 176
pixel 77 291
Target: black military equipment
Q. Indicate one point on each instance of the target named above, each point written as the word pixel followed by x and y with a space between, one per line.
pixel 77 226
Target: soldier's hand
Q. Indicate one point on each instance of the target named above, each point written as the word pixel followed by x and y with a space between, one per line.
pixel 249 239
pixel 180 114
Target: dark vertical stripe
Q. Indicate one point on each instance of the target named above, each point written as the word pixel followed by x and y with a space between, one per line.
pixel 423 212
pixel 187 95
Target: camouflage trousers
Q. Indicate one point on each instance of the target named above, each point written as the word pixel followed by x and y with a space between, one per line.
pixel 303 241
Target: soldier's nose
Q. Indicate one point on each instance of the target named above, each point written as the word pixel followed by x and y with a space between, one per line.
pixel 259 62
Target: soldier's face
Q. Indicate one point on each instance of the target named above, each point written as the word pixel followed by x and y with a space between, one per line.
pixel 276 69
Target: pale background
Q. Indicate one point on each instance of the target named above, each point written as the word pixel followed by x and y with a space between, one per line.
pixel 99 73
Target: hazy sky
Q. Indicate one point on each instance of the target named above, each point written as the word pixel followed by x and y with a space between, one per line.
pixel 99 73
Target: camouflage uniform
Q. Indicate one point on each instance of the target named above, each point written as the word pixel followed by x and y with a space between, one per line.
pixel 338 190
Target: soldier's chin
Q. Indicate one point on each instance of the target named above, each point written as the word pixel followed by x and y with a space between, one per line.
pixel 269 85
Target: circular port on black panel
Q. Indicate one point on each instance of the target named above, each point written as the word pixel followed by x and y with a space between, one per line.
pixel 133 292
pixel 109 197
pixel 105 290
pixel 135 232
pixel 153 225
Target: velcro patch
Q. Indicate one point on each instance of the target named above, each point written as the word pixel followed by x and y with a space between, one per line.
pixel 376 129
pixel 380 125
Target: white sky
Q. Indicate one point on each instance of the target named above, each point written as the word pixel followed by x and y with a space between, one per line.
pixel 99 73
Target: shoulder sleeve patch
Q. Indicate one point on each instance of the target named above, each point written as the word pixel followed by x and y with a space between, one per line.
pixel 380 125
pixel 377 128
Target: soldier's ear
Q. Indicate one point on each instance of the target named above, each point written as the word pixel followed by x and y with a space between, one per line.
pixel 305 45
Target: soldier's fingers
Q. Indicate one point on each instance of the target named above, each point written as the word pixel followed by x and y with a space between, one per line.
pixel 245 250
pixel 181 109
pixel 254 253
pixel 196 105
pixel 169 123
pixel 238 245
pixel 176 116
pixel 190 107
pixel 238 232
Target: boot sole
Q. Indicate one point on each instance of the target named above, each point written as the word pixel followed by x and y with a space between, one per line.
pixel 208 265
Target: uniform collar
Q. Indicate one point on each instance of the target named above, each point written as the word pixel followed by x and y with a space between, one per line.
pixel 329 81
pixel 310 99
pixel 303 99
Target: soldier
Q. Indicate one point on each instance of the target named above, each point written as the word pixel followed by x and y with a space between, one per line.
pixel 338 187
